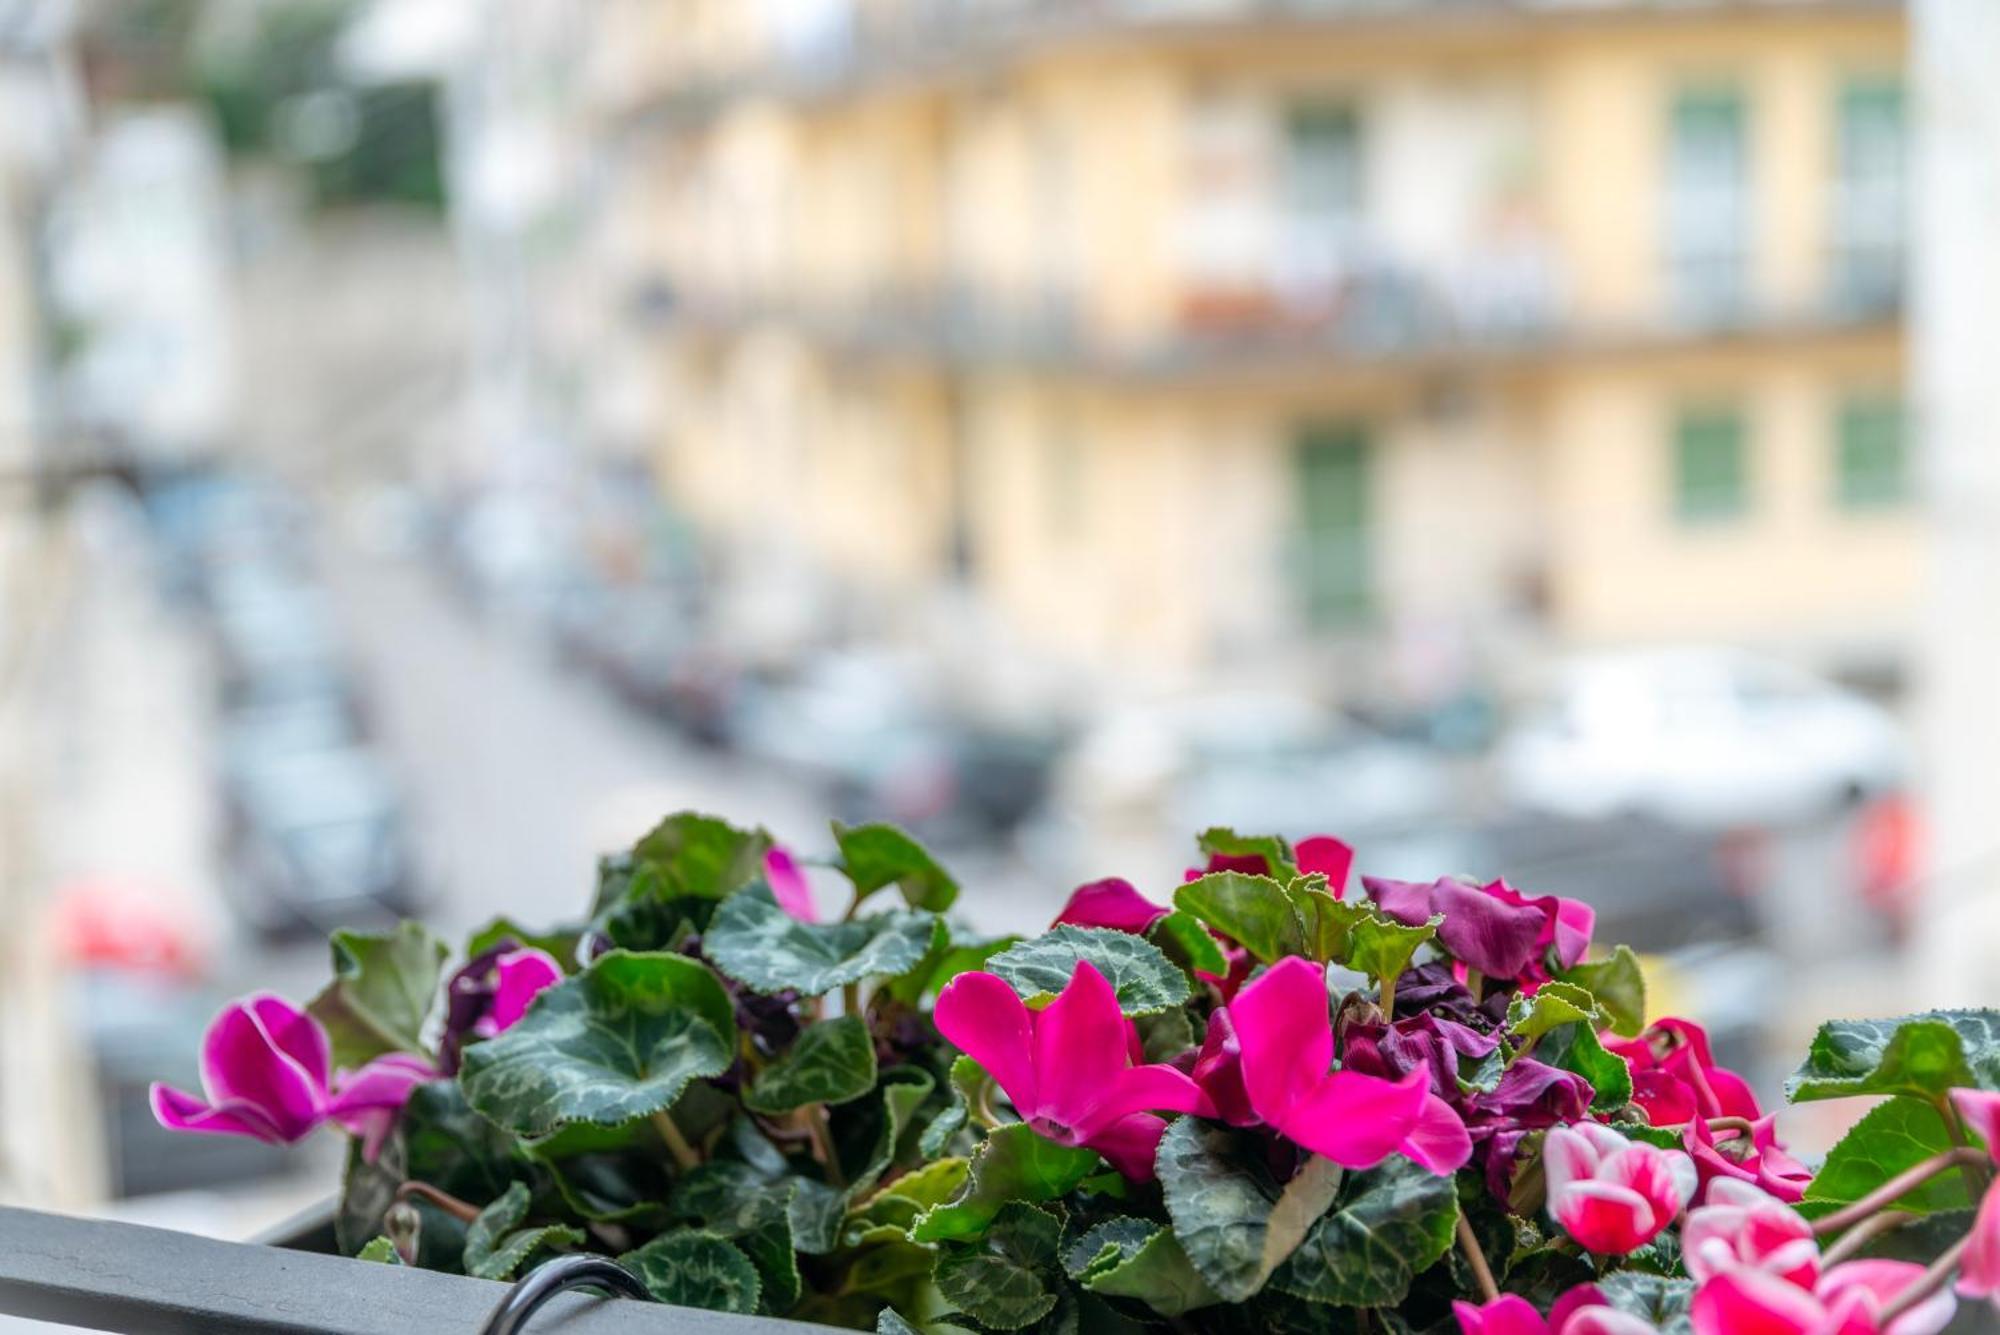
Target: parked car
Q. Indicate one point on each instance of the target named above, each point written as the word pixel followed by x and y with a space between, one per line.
pixel 1703 737
pixel 318 839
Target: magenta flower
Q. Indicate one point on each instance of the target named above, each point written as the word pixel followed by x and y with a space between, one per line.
pixel 1757 1158
pixel 519 977
pixel 1582 1311
pixel 1493 928
pixel 1068 1069
pixel 1979 1265
pixel 1284 1038
pixel 1675 1080
pixel 788 884
pixel 1742 1227
pixel 1320 855
pixel 1112 903
pixel 1981 1110
pixel 265 1071
pixel 1611 1194
pixel 1846 1300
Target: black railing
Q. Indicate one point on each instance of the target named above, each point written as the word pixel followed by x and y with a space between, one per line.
pixel 92 1275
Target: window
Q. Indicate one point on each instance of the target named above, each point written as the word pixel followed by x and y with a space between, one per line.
pixel 1708 207
pixel 1711 479
pixel 1322 204
pixel 1871 466
pixel 1869 201
pixel 1333 463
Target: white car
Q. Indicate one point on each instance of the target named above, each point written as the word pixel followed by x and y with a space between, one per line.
pixel 1710 738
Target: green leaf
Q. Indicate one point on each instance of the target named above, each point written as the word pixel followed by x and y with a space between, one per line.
pixel 617 1042
pixel 1144 980
pixel 1236 1222
pixel 379 1249
pixel 1556 1004
pixel 1382 948
pixel 948 958
pixel 871 1135
pixel 768 950
pixel 1924 1055
pixel 1154 1269
pixel 496 1244
pixel 1653 1298
pixel 1013 1164
pixel 1181 935
pixel 1619 986
pixel 694 1268
pixel 1165 1036
pixel 559 945
pixel 832 1062
pixel 890 1212
pixel 702 857
pixel 970 1087
pixel 1253 911
pixel 1002 1280
pixel 1895 1135
pixel 1277 854
pixel 384 984
pixel 1106 1244
pixel 1329 923
pixel 877 855
pixel 439 1140
pixel 1575 1047
pixel 1390 1225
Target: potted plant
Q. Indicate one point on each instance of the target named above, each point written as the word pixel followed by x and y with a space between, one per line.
pixel 1281 1101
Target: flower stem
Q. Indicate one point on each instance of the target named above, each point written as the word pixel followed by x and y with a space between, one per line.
pixel 1475 1256
pixel 1893 1190
pixel 677 1144
pixel 1742 1124
pixel 1862 1234
pixel 850 999
pixel 1978 1176
pixel 1388 999
pixel 819 1126
pixel 1925 1285
pixel 463 1211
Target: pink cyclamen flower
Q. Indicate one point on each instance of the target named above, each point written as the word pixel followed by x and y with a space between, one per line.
pixel 1114 903
pixel 1611 1194
pixel 1582 1311
pixel 1285 1041
pixel 1757 1158
pixel 1741 1226
pixel 1846 1300
pixel 1981 1110
pixel 519 977
pixel 1675 1080
pixel 265 1068
pixel 1068 1069
pixel 788 884
pixel 1979 1265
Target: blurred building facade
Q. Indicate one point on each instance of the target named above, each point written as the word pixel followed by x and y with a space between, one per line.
pixel 1215 334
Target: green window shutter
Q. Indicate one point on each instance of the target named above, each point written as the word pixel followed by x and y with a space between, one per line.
pixel 1870 194
pixel 1334 480
pixel 1871 467
pixel 1708 200
pixel 1711 472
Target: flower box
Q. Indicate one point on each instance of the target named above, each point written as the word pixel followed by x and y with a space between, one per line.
pixel 1278 1099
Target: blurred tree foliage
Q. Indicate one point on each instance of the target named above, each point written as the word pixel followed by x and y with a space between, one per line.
pixel 274 80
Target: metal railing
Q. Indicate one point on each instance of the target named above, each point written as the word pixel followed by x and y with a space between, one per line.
pixel 90 1274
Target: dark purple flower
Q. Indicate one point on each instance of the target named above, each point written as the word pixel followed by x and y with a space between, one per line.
pixel 1493 928
pixel 1427 1042
pixel 490 992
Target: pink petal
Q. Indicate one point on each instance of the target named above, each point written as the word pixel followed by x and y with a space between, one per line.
pixel 370 1099
pixel 1081 1042
pixel 1440 1141
pixel 242 1062
pixel 521 976
pixel 1602 1320
pixel 1575 1300
pixel 1326 856
pixel 1286 1036
pixel 178 1111
pixel 788 885
pixel 983 1018
pixel 1572 1154
pixel 1606 1219
pixel 1112 903
pixel 296 1034
pixel 1357 1120
pixel 1981 1110
pixel 1748 1302
pixel 1979 1269
pixel 1130 1144
pixel 1509 1314
pixel 1138 1089
pixel 1867 1286
pixel 1575 921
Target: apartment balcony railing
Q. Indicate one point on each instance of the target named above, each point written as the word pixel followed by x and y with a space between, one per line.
pixel 1379 320
pixel 88 1274
pixel 928 42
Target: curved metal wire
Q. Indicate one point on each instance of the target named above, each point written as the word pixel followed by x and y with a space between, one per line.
pixel 559 1276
